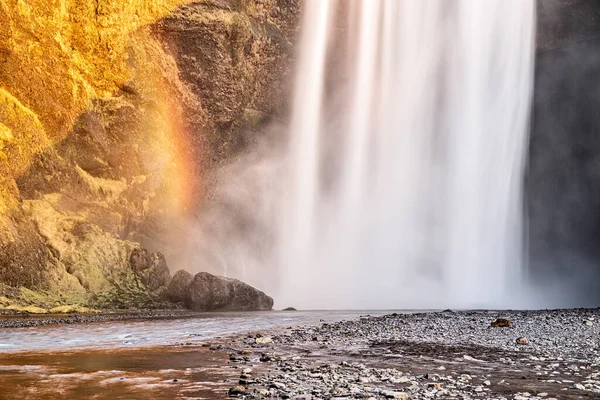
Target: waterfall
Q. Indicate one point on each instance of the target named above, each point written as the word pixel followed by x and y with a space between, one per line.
pixel 407 143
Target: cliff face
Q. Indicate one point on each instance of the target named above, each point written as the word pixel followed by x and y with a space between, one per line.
pixel 112 116
pixel 564 157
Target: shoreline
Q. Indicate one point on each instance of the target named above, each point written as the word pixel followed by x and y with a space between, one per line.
pixel 8 321
pixel 26 320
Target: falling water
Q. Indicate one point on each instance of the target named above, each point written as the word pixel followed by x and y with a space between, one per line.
pixel 407 147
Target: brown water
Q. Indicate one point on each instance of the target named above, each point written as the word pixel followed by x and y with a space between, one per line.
pixel 157 373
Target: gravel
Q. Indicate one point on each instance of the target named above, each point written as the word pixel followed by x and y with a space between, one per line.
pixel 20 321
pixel 448 355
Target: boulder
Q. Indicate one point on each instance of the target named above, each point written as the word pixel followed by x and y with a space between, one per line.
pixel 151 268
pixel 522 341
pixel 501 323
pixel 237 391
pixel 159 275
pixel 179 285
pixel 214 293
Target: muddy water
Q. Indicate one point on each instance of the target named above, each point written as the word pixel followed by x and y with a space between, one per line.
pixel 151 359
pixel 155 373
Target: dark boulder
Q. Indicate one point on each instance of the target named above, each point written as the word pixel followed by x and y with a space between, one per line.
pixel 179 285
pixel 214 293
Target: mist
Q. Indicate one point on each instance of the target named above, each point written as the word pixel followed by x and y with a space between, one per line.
pixel 399 179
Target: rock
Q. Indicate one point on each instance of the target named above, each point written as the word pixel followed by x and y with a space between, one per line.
pixel 501 323
pixel 178 286
pixel 236 391
pixel 289 309
pixel 522 341
pixel 159 275
pixel 139 259
pixel 278 385
pixel 151 268
pixel 208 292
pixel 264 340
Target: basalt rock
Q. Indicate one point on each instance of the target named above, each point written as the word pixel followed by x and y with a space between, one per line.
pixel 208 292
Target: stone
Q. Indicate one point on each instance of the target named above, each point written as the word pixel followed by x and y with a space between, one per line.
pixel 209 292
pixel 264 340
pixel 236 391
pixel 522 341
pixel 289 309
pixel 502 323
pixel 178 286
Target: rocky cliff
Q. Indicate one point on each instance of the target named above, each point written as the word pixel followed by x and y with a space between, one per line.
pixel 564 157
pixel 112 117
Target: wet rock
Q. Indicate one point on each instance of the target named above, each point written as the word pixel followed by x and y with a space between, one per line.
pixel 208 292
pixel 178 286
pixel 289 309
pixel 501 323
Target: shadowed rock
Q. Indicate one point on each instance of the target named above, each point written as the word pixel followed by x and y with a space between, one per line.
pixel 179 285
pixel 151 268
pixel 159 276
pixel 214 293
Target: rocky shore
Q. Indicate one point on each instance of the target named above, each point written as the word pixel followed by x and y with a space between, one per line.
pixel 450 355
pixel 512 355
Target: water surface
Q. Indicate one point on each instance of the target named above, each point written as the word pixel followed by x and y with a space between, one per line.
pixel 158 332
